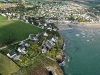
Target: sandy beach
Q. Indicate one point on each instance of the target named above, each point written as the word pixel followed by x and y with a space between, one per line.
pixel 86 25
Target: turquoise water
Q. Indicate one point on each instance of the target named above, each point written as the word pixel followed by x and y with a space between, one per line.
pixel 83 52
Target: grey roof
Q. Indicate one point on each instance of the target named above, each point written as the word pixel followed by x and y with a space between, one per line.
pixel 22 43
pixel 48 43
pixel 32 37
pixel 54 36
pixel 21 47
pixel 12 52
pixel 44 47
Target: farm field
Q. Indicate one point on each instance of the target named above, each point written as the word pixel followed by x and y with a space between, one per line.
pixel 12 31
pixel 7 67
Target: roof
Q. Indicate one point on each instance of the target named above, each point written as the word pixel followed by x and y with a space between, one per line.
pixel 44 47
pixel 48 43
pixel 6 5
pixel 22 43
pixel 12 52
pixel 33 37
pixel 55 37
pixel 45 34
pixel 21 48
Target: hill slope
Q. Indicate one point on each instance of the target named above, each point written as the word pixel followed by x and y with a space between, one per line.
pixel 12 31
pixel 7 67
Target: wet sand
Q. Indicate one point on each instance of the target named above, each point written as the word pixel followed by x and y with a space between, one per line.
pixel 85 25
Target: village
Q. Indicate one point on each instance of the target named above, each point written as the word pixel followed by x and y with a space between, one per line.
pixel 71 12
pixel 49 43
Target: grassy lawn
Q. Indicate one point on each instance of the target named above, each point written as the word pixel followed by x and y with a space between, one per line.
pixel 2 18
pixel 12 31
pixel 7 66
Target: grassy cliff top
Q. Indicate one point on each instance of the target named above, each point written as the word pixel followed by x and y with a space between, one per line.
pixel 7 66
pixel 12 31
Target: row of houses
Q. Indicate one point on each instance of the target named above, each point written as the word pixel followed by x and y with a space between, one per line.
pixel 21 49
pixel 4 6
pixel 46 46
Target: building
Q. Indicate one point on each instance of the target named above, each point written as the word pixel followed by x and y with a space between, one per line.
pixel 6 5
pixel 12 54
pixel 45 34
pixel 22 43
pixel 21 49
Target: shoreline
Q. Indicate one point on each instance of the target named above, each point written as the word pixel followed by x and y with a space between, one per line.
pixel 82 25
pixel 67 26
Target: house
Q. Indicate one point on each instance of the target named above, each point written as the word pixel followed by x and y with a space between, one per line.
pixel 49 28
pixel 49 44
pixel 44 49
pixel 26 21
pixel 3 14
pixel 45 34
pixel 55 37
pixel 45 24
pixel 12 54
pixel 21 49
pixel 34 37
pixel 32 22
pixel 22 43
pixel 6 5
pixel 54 29
pixel 40 24
pixel 53 40
pixel 42 27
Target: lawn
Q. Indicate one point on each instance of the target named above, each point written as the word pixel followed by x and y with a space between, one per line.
pixel 2 18
pixel 12 31
pixel 7 67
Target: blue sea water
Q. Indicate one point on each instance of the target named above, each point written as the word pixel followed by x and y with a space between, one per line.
pixel 82 50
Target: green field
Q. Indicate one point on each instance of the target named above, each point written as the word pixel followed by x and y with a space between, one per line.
pixel 12 31
pixel 2 18
pixel 7 67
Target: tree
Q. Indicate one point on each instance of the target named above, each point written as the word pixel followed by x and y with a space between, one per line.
pixel 71 17
pixel 36 48
pixel 52 53
pixel 20 7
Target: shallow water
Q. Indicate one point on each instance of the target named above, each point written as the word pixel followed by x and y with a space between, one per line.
pixel 83 51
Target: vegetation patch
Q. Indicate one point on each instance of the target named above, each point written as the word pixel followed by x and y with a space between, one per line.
pixel 7 66
pixel 2 18
pixel 12 31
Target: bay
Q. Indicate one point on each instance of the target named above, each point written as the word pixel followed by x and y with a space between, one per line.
pixel 82 50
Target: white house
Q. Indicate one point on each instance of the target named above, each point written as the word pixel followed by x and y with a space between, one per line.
pixel 54 40
pixel 22 43
pixel 49 28
pixel 26 21
pixel 45 34
pixel 49 43
pixel 33 37
pixel 12 54
pixel 44 49
pixel 22 49
pixel 54 29
pixel 45 24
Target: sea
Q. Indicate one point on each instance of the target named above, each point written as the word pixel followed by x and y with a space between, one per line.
pixel 82 50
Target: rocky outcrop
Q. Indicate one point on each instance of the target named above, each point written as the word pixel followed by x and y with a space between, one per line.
pixel 60 58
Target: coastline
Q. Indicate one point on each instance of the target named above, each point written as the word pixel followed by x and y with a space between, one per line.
pixel 66 26
pixel 82 25
pixel 93 38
